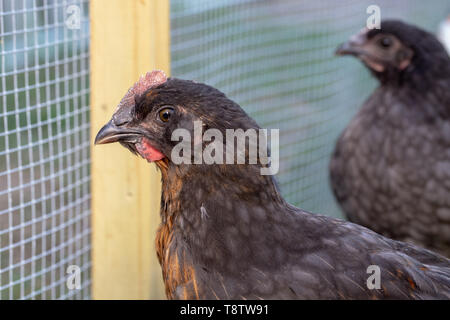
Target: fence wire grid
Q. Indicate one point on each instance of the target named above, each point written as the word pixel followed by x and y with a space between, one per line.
pixel 275 58
pixel 44 150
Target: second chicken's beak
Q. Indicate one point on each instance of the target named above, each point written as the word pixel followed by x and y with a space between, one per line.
pixel 348 48
pixel 112 133
pixel 344 49
pixel 353 46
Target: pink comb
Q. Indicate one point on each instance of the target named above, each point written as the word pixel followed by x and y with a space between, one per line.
pixel 151 79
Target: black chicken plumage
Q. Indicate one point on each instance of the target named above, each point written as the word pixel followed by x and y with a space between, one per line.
pixel 390 170
pixel 226 232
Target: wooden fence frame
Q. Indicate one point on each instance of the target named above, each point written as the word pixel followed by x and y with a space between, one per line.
pixel 128 38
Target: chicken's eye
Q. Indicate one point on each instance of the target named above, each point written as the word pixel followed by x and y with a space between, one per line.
pixel 385 42
pixel 165 114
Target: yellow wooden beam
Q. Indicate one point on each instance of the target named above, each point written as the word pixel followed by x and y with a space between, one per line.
pixel 128 38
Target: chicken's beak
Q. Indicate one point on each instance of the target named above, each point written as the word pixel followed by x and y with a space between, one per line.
pixel 353 46
pixel 348 48
pixel 107 134
pixel 112 133
pixel 344 49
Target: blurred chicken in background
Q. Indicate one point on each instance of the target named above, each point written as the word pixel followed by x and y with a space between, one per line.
pixel 391 167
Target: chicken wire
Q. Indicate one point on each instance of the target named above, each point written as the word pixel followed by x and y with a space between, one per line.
pixel 276 59
pixel 44 148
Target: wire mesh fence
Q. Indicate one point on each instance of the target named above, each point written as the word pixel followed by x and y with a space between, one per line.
pixel 273 57
pixel 44 149
pixel 276 59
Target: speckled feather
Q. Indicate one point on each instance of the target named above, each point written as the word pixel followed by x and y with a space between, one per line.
pixel 253 245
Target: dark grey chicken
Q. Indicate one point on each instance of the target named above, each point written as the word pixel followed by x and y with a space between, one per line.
pixel 391 167
pixel 226 232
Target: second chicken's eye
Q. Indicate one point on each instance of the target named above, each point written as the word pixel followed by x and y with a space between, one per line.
pixel 385 42
pixel 165 114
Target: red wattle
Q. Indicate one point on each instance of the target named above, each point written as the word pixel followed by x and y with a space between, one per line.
pixel 148 152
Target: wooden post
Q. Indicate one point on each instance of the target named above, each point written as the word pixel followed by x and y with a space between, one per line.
pixel 128 38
